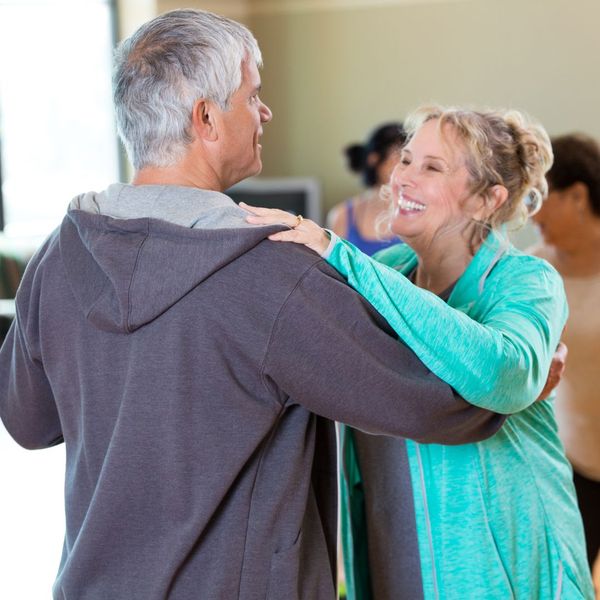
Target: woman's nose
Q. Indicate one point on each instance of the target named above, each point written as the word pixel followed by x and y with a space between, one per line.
pixel 400 174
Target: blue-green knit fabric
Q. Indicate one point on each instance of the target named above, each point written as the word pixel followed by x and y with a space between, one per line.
pixel 497 519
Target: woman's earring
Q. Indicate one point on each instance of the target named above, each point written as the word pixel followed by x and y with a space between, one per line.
pixel 533 201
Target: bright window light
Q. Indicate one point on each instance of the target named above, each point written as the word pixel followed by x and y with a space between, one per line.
pixel 58 136
pixel 57 139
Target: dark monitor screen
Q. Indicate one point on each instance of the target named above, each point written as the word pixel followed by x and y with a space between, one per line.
pixel 300 196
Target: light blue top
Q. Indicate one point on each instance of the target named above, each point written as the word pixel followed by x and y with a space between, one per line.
pixel 497 519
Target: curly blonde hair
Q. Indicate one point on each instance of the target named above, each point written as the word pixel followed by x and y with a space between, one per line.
pixel 504 148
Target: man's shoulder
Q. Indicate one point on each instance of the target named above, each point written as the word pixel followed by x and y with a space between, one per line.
pixel 292 260
pixel 45 252
pixel 293 273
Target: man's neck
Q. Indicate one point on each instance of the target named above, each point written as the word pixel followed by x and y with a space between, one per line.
pixel 180 174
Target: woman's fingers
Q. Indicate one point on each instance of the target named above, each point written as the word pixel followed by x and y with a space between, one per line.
pixel 269 220
pixel 269 216
pixel 250 208
pixel 264 212
pixel 289 235
pixel 557 368
pixel 312 236
pixel 302 231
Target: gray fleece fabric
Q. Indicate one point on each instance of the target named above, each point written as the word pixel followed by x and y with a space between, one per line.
pixel 193 369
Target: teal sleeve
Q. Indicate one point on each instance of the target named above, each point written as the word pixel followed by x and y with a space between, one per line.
pixel 499 363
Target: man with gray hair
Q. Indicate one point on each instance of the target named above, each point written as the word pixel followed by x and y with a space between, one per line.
pixel 193 368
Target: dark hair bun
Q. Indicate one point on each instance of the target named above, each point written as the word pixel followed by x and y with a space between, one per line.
pixel 356 154
pixel 381 141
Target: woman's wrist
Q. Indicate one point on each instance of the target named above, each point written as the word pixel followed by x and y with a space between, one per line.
pixel 333 240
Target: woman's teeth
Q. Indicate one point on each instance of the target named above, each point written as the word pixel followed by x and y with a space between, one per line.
pixel 410 204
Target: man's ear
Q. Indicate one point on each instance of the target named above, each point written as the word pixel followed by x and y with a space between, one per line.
pixel 495 197
pixel 203 120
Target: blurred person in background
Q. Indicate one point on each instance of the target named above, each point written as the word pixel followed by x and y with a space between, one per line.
pixel 359 219
pixel 569 223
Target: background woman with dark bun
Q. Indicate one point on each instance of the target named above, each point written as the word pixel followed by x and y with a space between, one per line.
pixel 359 219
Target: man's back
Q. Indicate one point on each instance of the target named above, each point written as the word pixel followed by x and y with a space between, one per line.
pixel 173 437
pixel 185 369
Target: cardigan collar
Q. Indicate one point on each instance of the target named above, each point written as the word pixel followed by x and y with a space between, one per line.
pixel 471 283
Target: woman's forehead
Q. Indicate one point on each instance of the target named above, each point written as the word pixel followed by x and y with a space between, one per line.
pixel 434 138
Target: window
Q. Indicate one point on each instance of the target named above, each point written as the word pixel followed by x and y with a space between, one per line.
pixel 58 137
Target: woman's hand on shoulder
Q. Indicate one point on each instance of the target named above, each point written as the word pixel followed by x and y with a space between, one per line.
pixel 301 230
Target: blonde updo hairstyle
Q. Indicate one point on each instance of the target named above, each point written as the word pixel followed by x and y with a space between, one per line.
pixel 504 148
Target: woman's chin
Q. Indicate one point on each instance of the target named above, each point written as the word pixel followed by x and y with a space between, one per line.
pixel 406 230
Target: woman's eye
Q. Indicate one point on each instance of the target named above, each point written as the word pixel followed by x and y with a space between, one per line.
pixel 433 168
pixel 404 161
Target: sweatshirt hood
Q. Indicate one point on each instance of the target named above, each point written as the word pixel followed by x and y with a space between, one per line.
pixel 132 252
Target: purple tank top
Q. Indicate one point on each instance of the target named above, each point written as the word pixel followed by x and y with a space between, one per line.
pixel 354 237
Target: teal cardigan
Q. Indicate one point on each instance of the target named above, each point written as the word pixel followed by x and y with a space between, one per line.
pixel 495 519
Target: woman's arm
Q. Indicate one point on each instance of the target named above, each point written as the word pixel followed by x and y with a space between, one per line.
pixel 500 363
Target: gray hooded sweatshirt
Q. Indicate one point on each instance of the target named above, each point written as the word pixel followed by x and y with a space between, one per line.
pixel 194 369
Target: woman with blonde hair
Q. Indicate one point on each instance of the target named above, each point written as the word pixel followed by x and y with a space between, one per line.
pixel 495 519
